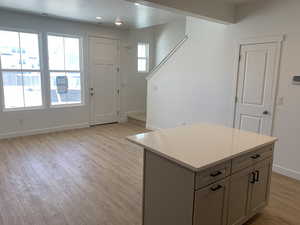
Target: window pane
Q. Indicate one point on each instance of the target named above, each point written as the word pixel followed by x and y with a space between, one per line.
pixel 13 89
pixel 142 65
pixel 56 53
pixel 65 88
pixel 32 89
pixel 142 50
pixel 29 51
pixel 72 53
pixel 9 50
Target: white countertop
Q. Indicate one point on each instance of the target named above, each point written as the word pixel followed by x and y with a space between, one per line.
pixel 200 146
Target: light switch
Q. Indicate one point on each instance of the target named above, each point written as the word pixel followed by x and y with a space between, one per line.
pixel 280 101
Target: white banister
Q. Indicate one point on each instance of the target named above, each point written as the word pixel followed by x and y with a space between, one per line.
pixel 156 68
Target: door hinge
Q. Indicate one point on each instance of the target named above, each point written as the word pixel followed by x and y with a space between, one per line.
pixel 240 57
pixel 236 99
pixel 118 69
pixel 118 91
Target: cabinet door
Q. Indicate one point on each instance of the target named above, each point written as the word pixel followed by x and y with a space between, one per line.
pixel 239 194
pixel 210 204
pixel 261 187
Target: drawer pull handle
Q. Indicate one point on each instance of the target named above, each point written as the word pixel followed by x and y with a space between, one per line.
pixel 216 188
pixel 253 178
pixel 257 176
pixel 215 174
pixel 255 156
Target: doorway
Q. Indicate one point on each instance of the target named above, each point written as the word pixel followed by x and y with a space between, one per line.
pixel 104 80
pixel 257 77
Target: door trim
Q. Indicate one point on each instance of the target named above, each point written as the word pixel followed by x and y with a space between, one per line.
pixel 278 39
pixel 90 79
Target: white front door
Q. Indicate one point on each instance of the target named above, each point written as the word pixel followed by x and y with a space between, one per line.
pixel 256 87
pixel 104 88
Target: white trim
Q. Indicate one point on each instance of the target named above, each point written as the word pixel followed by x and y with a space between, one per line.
pixel 80 71
pixel 261 39
pixel 44 130
pixel 286 172
pixel 258 40
pixel 152 128
pixel 40 70
pixel 147 57
pixel 66 105
pixel 23 109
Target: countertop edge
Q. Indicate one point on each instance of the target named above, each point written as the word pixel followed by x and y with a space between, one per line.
pixel 195 169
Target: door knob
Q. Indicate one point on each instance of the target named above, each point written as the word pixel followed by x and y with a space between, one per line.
pixel 266 112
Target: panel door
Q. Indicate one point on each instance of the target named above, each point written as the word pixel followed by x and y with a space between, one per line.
pixel 104 82
pixel 256 87
pixel 261 187
pixel 239 195
pixel 210 204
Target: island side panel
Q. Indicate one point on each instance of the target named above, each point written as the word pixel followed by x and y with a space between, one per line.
pixel 168 192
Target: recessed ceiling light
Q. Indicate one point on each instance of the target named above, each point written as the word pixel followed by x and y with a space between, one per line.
pixel 137 4
pixel 119 22
pixel 98 18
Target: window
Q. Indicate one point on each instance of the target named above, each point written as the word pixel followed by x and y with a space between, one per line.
pixel 143 57
pixel 20 69
pixel 65 71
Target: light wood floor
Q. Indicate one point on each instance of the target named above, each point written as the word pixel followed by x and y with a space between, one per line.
pixel 94 177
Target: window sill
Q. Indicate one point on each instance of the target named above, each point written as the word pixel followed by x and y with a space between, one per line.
pixel 24 109
pixel 66 106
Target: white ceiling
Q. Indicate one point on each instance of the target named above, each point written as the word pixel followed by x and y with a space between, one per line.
pixel 86 10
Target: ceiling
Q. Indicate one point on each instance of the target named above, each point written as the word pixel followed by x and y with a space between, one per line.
pixel 134 16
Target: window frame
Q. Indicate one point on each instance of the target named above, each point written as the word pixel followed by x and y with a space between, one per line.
pixel 147 58
pixel 81 71
pixel 41 71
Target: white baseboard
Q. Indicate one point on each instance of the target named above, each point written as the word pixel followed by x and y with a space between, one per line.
pixel 151 127
pixel 124 115
pixel 44 130
pixel 286 172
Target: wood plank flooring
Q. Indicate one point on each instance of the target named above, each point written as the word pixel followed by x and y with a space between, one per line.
pixel 93 176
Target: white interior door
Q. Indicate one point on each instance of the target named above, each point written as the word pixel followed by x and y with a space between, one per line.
pixel 256 87
pixel 104 88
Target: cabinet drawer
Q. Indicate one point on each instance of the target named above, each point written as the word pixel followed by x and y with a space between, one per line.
pixel 210 204
pixel 212 175
pixel 250 159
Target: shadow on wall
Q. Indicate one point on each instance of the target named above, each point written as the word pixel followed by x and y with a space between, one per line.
pixel 166 38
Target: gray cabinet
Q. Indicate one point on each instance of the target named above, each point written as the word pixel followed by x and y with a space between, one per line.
pixel 239 193
pixel 249 192
pixel 228 193
pixel 210 204
pixel 261 187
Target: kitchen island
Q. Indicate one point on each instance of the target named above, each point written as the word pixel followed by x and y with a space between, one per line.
pixel 204 175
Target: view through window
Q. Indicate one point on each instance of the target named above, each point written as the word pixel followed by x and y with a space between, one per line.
pixel 20 69
pixel 64 67
pixel 143 57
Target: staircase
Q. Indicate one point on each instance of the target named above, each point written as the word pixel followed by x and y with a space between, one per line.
pixel 137 118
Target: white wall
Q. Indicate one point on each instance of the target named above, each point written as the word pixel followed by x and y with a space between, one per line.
pixel 276 17
pixel 197 83
pixel 134 83
pixel 167 36
pixel 33 121
pixel 192 86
